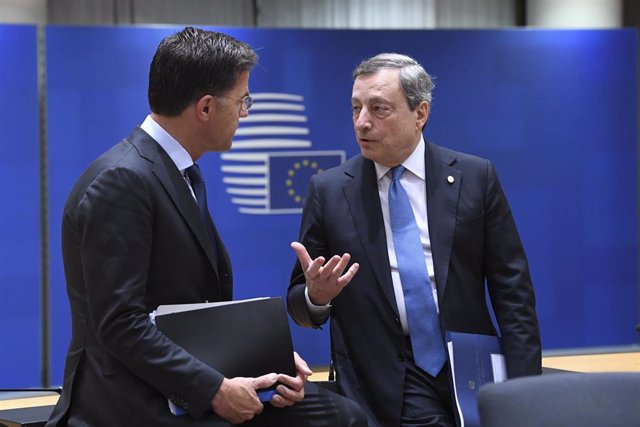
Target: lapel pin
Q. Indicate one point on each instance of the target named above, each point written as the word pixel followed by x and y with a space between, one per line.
pixel 450 179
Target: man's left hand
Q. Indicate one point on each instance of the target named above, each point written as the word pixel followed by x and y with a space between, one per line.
pixel 291 389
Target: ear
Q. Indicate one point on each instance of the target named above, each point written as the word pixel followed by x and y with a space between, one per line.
pixel 422 115
pixel 205 107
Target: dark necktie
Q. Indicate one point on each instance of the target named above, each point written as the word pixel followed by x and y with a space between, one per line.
pixel 197 183
pixel 422 317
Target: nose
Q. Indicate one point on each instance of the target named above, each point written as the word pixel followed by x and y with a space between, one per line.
pixel 361 121
pixel 244 113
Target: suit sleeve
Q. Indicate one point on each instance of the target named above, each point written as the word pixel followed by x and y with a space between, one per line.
pixel 115 229
pixel 313 238
pixel 509 284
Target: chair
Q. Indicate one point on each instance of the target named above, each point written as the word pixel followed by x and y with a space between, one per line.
pixel 563 400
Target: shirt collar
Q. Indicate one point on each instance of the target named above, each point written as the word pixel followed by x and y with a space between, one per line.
pixel 176 152
pixel 414 163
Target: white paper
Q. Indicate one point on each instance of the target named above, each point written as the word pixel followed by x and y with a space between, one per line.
pixel 453 382
pixel 178 308
pixel 499 368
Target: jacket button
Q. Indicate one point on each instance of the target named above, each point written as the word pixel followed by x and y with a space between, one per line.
pixel 401 357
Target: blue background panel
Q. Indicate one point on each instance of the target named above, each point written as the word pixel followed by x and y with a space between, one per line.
pixel 19 216
pixel 96 80
pixel 557 120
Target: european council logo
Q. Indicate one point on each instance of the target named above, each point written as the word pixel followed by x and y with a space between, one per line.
pixel 270 163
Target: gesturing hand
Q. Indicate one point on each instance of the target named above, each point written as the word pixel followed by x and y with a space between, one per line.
pixel 324 280
pixel 236 400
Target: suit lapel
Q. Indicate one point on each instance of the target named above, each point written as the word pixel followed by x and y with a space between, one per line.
pixel 443 190
pixel 361 193
pixel 174 184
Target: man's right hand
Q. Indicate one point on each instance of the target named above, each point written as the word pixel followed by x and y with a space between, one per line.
pixel 324 280
pixel 236 400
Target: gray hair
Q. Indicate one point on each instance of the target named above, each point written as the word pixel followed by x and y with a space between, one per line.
pixel 416 83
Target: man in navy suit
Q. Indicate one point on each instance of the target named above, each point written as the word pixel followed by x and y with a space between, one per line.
pixel 134 237
pixel 347 268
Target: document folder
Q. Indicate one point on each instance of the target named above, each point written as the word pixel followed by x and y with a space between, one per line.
pixel 246 338
pixel 475 360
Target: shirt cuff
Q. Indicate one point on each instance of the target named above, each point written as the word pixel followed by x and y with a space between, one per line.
pixel 318 313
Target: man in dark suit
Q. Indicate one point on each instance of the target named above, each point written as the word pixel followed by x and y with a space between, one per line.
pixel 465 237
pixel 137 234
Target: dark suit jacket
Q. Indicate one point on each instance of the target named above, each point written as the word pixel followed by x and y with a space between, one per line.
pixel 132 239
pixel 473 238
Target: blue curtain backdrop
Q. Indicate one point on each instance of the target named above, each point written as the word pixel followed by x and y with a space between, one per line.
pixel 554 109
pixel 20 212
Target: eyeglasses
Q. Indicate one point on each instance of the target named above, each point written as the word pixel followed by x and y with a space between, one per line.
pixel 247 101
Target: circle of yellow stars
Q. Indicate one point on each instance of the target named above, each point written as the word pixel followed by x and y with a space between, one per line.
pixel 297 168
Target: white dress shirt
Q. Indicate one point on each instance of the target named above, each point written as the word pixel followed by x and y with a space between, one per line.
pixel 176 152
pixel 413 180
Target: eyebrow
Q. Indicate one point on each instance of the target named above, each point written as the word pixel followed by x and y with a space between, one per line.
pixel 373 99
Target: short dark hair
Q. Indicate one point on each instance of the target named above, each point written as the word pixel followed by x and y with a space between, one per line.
pixel 192 63
pixel 416 83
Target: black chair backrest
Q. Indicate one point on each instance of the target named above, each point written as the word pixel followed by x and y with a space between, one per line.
pixel 609 399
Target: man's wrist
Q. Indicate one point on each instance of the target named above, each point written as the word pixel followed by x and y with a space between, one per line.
pixel 315 307
pixel 317 313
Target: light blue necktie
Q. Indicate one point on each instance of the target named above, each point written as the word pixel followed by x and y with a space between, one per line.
pixel 422 317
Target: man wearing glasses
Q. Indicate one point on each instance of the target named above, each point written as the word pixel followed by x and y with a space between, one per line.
pixel 137 234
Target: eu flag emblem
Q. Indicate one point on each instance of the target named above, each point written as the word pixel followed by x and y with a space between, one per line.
pixel 289 174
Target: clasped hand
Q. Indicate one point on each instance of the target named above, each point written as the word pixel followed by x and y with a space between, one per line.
pixel 236 400
pixel 324 280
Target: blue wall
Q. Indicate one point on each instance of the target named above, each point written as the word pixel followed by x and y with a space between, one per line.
pixel 20 212
pixel 555 111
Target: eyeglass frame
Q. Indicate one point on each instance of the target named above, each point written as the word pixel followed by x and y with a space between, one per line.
pixel 247 100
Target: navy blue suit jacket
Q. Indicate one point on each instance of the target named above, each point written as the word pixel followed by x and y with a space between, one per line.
pixel 133 239
pixel 473 240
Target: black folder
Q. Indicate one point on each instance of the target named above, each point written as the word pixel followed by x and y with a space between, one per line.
pixel 246 338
